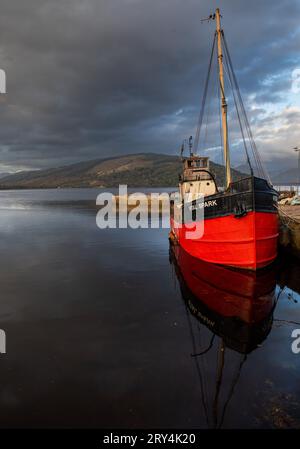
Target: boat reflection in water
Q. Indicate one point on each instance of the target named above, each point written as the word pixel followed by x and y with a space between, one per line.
pixel 236 306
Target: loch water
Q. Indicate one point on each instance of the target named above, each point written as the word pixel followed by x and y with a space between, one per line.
pixel 114 328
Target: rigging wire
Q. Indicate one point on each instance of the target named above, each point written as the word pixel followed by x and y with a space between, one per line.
pixel 208 109
pixel 247 125
pixel 231 392
pixel 203 363
pixel 204 351
pixel 229 76
pixel 206 365
pixel 198 368
pixel 240 108
pixel 220 369
pixel 197 135
pixel 236 87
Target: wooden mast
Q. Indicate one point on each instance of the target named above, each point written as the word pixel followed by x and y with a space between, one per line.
pixel 223 100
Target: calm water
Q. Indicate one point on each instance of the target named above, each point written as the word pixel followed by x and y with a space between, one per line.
pixel 103 327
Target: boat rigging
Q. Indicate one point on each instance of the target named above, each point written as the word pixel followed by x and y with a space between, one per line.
pixel 240 221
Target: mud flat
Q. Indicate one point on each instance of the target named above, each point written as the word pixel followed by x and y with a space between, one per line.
pixel 144 202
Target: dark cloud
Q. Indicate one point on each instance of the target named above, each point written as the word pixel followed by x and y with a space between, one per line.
pixel 91 78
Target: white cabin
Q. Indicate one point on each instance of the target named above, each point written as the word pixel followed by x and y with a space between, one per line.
pixel 196 179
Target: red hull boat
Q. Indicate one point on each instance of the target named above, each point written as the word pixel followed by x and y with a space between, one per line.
pixel 249 252
pixel 240 221
pixel 243 235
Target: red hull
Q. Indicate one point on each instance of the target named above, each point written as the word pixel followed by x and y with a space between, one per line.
pixel 249 242
pixel 228 292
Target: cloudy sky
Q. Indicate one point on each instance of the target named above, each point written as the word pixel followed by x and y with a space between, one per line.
pixel 93 78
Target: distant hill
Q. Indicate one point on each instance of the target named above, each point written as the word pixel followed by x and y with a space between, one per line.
pixel 243 168
pixel 135 170
pixel 278 177
pixel 286 177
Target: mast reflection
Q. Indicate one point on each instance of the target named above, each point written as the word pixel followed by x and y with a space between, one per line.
pixel 237 307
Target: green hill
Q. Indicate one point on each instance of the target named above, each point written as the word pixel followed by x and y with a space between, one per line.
pixel 135 170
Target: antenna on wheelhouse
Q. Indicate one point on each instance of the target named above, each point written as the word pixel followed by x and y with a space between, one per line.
pixel 182 149
pixel 191 146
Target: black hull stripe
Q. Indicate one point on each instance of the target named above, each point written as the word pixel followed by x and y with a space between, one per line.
pixel 248 195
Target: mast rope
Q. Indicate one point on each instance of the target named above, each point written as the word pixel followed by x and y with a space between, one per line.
pixel 227 71
pixel 198 367
pixel 231 392
pixel 247 125
pixel 197 135
pixel 203 363
pixel 244 125
pixel 208 108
